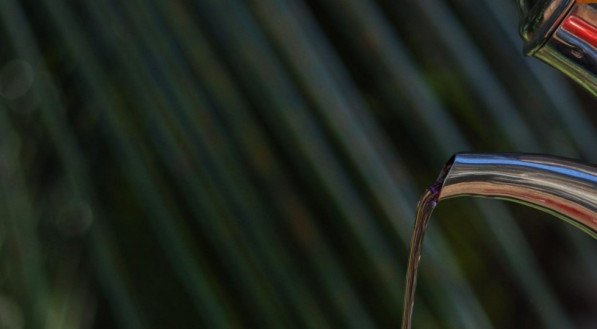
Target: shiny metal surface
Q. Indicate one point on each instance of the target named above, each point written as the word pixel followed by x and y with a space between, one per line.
pixel 524 6
pixel 541 21
pixel 563 33
pixel 562 187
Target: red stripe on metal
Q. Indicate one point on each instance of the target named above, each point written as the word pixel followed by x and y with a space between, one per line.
pixel 581 29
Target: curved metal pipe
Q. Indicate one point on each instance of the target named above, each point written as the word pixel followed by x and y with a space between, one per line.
pixel 562 187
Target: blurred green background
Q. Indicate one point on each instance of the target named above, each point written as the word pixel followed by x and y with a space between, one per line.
pixel 256 164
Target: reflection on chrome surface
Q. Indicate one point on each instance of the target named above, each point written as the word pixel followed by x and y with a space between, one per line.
pixel 563 187
pixel 563 33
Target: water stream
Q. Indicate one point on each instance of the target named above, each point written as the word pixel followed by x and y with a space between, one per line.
pixel 424 209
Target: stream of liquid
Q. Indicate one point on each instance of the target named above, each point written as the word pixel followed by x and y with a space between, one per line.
pixel 424 209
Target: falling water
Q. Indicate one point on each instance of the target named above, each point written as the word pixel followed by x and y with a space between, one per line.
pixel 424 209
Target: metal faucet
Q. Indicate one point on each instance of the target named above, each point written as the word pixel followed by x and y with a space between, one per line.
pixel 562 187
pixel 563 33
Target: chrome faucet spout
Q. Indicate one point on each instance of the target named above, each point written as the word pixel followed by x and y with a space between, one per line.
pixel 563 33
pixel 562 187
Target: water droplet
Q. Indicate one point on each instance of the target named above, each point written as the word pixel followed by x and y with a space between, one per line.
pixel 11 316
pixel 16 78
pixel 75 219
pixel 578 53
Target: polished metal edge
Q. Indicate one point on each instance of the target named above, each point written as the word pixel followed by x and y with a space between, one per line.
pixel 542 21
pixel 562 187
